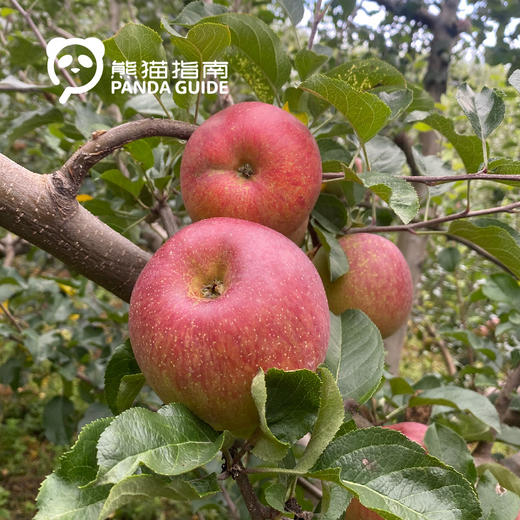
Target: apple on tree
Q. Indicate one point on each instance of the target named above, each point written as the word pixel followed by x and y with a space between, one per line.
pixel 415 432
pixel 220 299
pixel 378 282
pixel 252 161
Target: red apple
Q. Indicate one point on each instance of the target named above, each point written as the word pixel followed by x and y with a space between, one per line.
pixel 220 299
pixel 252 161
pixel 415 432
pixel 298 234
pixel 378 281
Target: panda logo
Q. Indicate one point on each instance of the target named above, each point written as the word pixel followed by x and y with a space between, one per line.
pixel 94 45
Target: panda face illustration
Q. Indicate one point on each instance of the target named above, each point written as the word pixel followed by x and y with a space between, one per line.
pixel 92 46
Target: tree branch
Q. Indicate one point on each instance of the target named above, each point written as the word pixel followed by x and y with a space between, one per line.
pixel 104 143
pixel 409 10
pixel 434 181
pixel 30 208
pixel 509 208
pixel 504 397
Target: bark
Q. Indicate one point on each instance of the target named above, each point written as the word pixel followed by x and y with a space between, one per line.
pixel 42 209
pixel 29 208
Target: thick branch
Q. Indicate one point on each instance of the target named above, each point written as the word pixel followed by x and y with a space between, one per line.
pixel 73 172
pixel 504 397
pixel 409 10
pixel 29 208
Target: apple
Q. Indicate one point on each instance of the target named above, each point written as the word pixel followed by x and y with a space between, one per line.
pixel 298 234
pixel 220 299
pixel 415 432
pixel 255 162
pixel 378 282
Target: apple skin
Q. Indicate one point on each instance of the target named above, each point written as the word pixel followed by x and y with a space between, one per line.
pixel 415 432
pixel 265 307
pixel 298 234
pixel 285 160
pixel 378 282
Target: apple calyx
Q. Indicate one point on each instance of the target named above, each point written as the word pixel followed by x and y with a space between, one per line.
pixel 246 170
pixel 213 290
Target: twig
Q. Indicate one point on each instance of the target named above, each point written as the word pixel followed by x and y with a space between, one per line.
pixel 43 43
pixel 448 360
pixel 310 488
pixel 433 181
pixel 11 318
pixel 318 17
pixel 256 509
pixel 509 208
pixel 167 217
pixel 233 511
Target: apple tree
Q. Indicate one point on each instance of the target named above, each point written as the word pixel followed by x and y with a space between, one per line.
pixel 322 443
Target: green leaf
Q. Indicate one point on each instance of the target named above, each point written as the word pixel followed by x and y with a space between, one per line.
pixel 330 208
pixel 79 464
pixel 307 62
pixel 395 477
pixel 505 167
pixel 449 258
pixel 135 42
pixel 433 166
pixel 461 399
pixel 123 379
pixel 145 487
pixel 485 111
pixel 397 192
pixel 288 404
pixel 368 74
pixel 275 496
pixel 398 100
pixel 334 502
pixel 506 478
pixel 356 361
pixel 117 178
pixel 330 418
pixel 497 503
pixel 196 11
pixel 256 53
pixel 500 287
pixel 445 444
pixel 170 442
pixel 336 258
pixel 204 42
pixel 514 79
pixel 142 152
pixel 468 147
pixel 294 10
pixel 509 435
pixel 385 156
pixel 61 500
pixel 60 495
pixel 28 121
pixel 365 112
pixel 58 420
pixel 495 237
